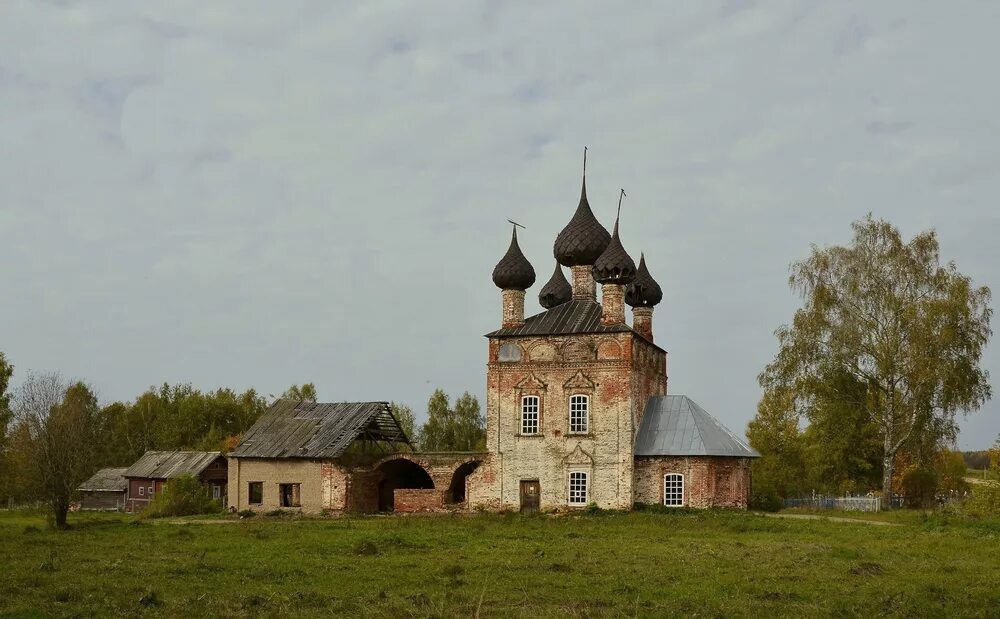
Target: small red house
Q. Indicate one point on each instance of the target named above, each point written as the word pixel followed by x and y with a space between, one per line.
pixel 148 476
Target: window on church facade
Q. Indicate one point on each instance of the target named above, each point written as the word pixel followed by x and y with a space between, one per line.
pixel 579 411
pixel 673 490
pixel 529 414
pixel 578 488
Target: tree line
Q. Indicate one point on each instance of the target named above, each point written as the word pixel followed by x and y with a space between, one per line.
pixel 54 433
pixel 871 373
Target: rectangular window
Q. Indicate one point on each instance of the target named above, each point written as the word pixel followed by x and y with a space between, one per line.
pixel 673 490
pixel 289 495
pixel 142 491
pixel 256 492
pixel 529 414
pixel 149 491
pixel 579 408
pixel 577 488
pixel 216 492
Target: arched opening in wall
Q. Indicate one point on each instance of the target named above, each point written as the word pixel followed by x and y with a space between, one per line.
pixel 395 474
pixel 456 490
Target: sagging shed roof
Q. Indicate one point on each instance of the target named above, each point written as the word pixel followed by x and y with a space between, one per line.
pixel 292 429
pixel 169 464
pixel 674 425
pixel 106 480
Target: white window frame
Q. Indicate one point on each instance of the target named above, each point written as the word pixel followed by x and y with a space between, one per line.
pixel 572 494
pixel 142 490
pixel 574 401
pixel 676 491
pixel 150 491
pixel 528 402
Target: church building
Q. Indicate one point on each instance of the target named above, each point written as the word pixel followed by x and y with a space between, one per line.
pixel 577 410
pixel 577 413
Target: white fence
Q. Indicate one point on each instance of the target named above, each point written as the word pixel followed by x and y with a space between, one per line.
pixel 844 503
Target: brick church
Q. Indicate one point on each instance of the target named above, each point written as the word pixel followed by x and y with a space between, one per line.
pixel 577 410
pixel 577 413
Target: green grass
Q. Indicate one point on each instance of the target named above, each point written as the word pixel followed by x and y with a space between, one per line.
pixel 645 564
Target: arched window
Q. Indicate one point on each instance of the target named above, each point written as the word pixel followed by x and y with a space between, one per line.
pixel 673 490
pixel 578 488
pixel 529 414
pixel 579 414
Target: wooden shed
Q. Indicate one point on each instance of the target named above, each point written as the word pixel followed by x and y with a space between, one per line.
pixel 105 491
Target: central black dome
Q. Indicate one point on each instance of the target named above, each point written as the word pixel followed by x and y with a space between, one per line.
pixel 583 239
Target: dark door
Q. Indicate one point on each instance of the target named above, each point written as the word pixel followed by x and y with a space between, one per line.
pixel 529 496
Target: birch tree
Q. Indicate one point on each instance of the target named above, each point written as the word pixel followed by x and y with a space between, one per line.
pixel 908 329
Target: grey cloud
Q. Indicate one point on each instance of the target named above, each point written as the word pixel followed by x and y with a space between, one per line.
pixel 303 192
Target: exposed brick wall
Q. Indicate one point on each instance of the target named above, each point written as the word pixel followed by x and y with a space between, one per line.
pixel 618 371
pixel 583 283
pixel 612 304
pixel 418 500
pixel 709 481
pixel 642 321
pixel 513 308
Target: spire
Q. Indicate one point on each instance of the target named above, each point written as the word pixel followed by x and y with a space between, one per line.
pixel 584 238
pixel 644 291
pixel 514 272
pixel 557 291
pixel 614 265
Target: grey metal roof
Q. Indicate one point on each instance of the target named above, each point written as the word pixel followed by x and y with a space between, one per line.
pixel 674 425
pixel 292 429
pixel 169 464
pixel 576 316
pixel 112 480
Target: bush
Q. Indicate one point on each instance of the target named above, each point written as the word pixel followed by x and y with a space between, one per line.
pixel 766 501
pixel 182 496
pixel 985 500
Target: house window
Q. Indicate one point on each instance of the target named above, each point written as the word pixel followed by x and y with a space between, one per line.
pixel 256 492
pixel 579 408
pixel 216 492
pixel 529 414
pixel 289 495
pixel 149 491
pixel 673 490
pixel 577 488
pixel 142 490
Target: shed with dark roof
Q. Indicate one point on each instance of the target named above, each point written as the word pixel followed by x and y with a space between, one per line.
pixel 105 490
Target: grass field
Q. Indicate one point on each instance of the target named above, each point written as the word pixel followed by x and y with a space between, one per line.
pixel 609 565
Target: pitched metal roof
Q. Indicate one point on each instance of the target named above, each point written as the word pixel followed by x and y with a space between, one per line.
pixel 169 464
pixel 112 480
pixel 292 429
pixel 576 316
pixel 674 425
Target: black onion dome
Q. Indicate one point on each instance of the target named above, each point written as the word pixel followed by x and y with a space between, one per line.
pixel 643 291
pixel 513 272
pixel 557 291
pixel 583 239
pixel 614 266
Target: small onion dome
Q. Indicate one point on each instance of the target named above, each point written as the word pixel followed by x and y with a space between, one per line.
pixel 614 266
pixel 583 239
pixel 557 291
pixel 513 272
pixel 643 291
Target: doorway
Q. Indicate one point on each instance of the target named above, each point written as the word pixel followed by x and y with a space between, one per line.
pixel 530 499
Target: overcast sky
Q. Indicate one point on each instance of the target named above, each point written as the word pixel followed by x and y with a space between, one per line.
pixel 236 193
